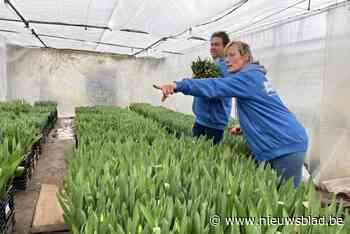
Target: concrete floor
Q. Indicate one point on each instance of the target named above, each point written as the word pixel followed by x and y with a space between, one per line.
pixel 50 169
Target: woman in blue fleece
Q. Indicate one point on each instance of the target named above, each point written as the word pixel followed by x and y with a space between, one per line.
pixel 272 132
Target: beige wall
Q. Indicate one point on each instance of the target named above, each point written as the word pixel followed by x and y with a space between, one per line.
pixel 75 78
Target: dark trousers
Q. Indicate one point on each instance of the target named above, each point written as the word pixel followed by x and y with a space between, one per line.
pixel 213 134
pixel 290 166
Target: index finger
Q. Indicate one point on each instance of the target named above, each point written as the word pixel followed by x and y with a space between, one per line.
pixel 156 86
pixel 164 98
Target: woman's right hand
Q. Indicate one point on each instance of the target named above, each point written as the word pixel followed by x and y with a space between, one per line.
pixel 235 130
pixel 167 90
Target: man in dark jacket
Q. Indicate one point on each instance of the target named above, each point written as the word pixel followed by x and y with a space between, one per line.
pixel 212 114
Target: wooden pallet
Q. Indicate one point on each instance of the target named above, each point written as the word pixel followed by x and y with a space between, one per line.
pixel 48 215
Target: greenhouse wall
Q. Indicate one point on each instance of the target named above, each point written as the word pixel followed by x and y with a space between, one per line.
pixel 3 76
pixel 80 78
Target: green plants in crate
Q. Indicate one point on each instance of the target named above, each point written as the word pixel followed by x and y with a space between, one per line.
pixel 205 68
pixel 10 158
pixel 22 116
pixel 15 107
pixel 22 123
pixel 45 106
pixel 22 130
pixel 51 104
pixel 129 175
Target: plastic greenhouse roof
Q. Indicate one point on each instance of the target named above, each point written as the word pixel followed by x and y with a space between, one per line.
pixel 141 27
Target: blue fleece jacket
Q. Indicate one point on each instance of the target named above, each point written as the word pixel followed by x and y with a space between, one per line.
pixel 270 129
pixel 213 112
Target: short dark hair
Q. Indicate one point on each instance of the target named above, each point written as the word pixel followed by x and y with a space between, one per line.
pixel 223 35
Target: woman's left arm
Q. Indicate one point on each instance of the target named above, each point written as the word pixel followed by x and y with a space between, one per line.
pixel 234 86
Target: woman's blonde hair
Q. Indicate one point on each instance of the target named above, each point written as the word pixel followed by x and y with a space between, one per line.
pixel 243 49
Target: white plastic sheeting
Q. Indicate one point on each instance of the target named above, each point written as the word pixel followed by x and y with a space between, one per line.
pixel 3 75
pixel 306 61
pixel 334 128
pixel 168 24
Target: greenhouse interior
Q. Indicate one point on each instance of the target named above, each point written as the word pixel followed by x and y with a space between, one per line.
pixel 178 116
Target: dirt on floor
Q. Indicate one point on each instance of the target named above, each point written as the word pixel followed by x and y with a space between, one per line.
pixel 50 169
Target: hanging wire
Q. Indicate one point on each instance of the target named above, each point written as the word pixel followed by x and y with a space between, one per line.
pixel 171 52
pixel 37 36
pixel 163 39
pixel 152 45
pixel 88 13
pixel 26 23
pixel 235 7
pixel 267 17
pixel 109 19
pixel 68 24
pixel 309 6
pixel 133 31
pixel 8 31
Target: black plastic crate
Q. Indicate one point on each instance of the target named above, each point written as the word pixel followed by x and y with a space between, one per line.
pixel 29 165
pixel 27 160
pixel 76 141
pixel 54 115
pixel 7 227
pixel 46 130
pixel 49 125
pixel 36 149
pixel 7 207
pixel 53 118
pixel 20 181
